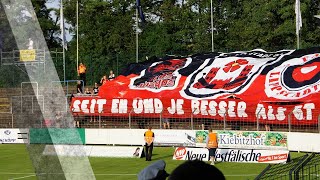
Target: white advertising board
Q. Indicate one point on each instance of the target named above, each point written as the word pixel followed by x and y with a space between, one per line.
pixel 251 155
pixel 135 137
pixel 14 136
pixel 184 153
pixel 305 142
pixel 93 151
pixel 174 138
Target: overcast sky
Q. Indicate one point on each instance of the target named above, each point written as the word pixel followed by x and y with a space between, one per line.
pixel 56 4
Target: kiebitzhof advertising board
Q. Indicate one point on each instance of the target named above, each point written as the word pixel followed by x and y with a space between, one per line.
pixel 246 139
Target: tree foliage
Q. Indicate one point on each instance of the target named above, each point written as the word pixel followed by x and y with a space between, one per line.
pixel 107 29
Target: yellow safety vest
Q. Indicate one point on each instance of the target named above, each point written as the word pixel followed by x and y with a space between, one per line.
pixel 212 143
pixel 148 135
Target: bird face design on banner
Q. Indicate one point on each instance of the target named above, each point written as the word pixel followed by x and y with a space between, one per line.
pixel 295 78
pixel 228 74
pixel 159 76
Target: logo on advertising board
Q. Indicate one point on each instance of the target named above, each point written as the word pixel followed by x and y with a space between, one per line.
pixel 180 152
pixel 295 78
pixel 252 156
pixel 252 140
pixel 183 153
pixel 7 132
pixel 160 76
pixel 7 136
pixel 228 74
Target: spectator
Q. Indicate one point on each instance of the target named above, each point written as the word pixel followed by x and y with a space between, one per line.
pixel 111 76
pixel 166 123
pixel 267 126
pixel 30 44
pixel 82 73
pixel 95 88
pixel 59 118
pixel 212 145
pixel 87 91
pixel 103 80
pixel 148 138
pixel 196 170
pixel 155 171
pixel 79 87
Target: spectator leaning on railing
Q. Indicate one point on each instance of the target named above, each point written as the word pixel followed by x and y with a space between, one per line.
pixel 82 73
pixel 95 88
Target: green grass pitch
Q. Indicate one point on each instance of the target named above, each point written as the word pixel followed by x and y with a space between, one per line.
pixel 15 163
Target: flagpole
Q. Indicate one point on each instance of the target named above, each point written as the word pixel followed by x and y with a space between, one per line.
pixel 137 36
pixel 63 43
pixel 298 22
pixel 212 45
pixel 77 35
pixel 298 39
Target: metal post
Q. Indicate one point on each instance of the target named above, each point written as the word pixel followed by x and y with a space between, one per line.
pixel 32 104
pixel 11 120
pixel 212 47
pixel 191 119
pixel 99 121
pixel 130 118
pixel 289 120
pixel 319 123
pixel 257 116
pixel 137 36
pixel 224 120
pixel 77 12
pixel 160 119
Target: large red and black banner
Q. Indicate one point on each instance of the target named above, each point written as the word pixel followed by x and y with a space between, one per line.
pixel 276 87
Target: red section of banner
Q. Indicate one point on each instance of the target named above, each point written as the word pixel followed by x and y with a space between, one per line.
pixel 252 86
pixel 273 158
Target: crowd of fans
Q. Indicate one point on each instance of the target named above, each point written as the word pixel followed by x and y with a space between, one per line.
pixel 82 81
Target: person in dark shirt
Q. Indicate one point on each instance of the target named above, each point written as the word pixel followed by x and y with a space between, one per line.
pixel 95 88
pixel 79 88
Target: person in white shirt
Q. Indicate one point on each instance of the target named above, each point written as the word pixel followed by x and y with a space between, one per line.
pixel 30 45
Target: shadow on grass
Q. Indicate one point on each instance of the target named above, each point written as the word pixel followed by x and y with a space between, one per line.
pixel 156 157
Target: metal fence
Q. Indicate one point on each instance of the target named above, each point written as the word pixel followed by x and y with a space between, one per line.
pixel 303 167
pixel 29 107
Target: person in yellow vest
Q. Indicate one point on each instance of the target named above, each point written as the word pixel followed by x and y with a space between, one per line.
pixel 82 73
pixel 212 145
pixel 148 138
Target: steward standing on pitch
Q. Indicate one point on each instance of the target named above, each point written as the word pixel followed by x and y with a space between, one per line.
pixel 148 138
pixel 212 145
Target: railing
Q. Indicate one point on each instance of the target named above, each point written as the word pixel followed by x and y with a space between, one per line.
pixel 26 105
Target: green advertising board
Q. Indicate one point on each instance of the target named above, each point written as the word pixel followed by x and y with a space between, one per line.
pixel 57 136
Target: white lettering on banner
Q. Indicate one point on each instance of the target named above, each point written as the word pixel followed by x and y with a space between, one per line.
pixel 280 112
pixel 147 106
pixel 176 107
pixel 119 106
pixel 230 108
pixel 252 156
pixel 189 154
pixel 225 139
pixel 82 105
pixel 237 156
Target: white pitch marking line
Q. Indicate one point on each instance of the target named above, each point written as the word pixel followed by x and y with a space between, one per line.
pixel 23 177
